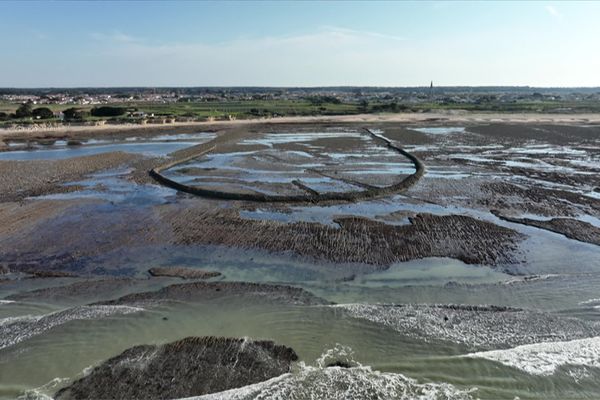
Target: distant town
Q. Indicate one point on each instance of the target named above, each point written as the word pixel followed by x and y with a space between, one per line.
pixel 164 105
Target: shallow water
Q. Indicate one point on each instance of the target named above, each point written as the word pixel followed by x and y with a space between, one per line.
pixel 147 149
pixel 315 168
pixel 440 130
pixel 319 335
pixel 115 187
pixel 151 146
pixel 281 138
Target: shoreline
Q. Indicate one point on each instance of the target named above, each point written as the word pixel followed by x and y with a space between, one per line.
pixel 451 117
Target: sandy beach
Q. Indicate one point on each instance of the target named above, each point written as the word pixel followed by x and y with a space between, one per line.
pixel 463 117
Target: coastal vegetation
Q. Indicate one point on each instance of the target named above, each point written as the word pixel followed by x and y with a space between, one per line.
pixel 167 105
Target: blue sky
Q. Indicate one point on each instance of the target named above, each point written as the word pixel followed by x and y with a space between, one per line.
pixel 298 43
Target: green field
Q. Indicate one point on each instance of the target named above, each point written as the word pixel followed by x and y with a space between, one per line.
pixel 244 109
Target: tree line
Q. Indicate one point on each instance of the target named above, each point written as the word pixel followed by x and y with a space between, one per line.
pixel 26 111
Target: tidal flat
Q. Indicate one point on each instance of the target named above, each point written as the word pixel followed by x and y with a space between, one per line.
pixel 420 259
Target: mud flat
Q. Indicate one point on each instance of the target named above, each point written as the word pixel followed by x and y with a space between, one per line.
pixel 79 291
pixel 356 240
pixel 31 271
pixel 539 200
pixel 197 291
pixel 30 266
pixel 540 131
pixel 183 272
pixel 310 194
pixel 541 168
pixel 60 241
pixel 373 256
pixel 189 367
pixel 36 273
pixel 21 179
pixel 571 228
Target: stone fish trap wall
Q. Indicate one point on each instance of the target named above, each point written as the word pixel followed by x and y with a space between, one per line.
pixel 309 197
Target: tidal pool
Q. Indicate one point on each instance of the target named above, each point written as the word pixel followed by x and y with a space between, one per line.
pixel 148 146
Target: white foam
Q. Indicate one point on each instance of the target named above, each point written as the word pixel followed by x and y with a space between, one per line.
pixel 342 383
pixel 6 302
pixel 546 358
pixel 22 318
pixel 88 370
pixel 41 393
pixel 482 327
pixel 357 382
pixel 530 278
pixel 589 302
pixel 339 353
pixel 14 330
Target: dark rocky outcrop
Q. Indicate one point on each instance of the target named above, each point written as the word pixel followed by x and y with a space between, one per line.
pixel 537 200
pixel 50 274
pixel 571 228
pixel 189 367
pixel 339 364
pixel 183 272
pixel 356 240
pixel 79 291
pixel 198 291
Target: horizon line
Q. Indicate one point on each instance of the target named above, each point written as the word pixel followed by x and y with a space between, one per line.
pixel 289 87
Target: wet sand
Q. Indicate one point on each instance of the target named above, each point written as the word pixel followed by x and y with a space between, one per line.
pixel 21 179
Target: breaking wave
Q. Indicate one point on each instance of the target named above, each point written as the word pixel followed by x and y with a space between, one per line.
pixel 354 382
pixel 14 330
pixel 595 303
pixel 478 327
pixel 546 358
pixel 40 393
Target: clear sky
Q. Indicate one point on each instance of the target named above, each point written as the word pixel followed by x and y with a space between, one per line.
pixel 171 43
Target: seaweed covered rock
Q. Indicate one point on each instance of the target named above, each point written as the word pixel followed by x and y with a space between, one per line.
pixel 192 366
pixel 570 227
pixel 79 292
pixel 183 272
pixel 201 291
